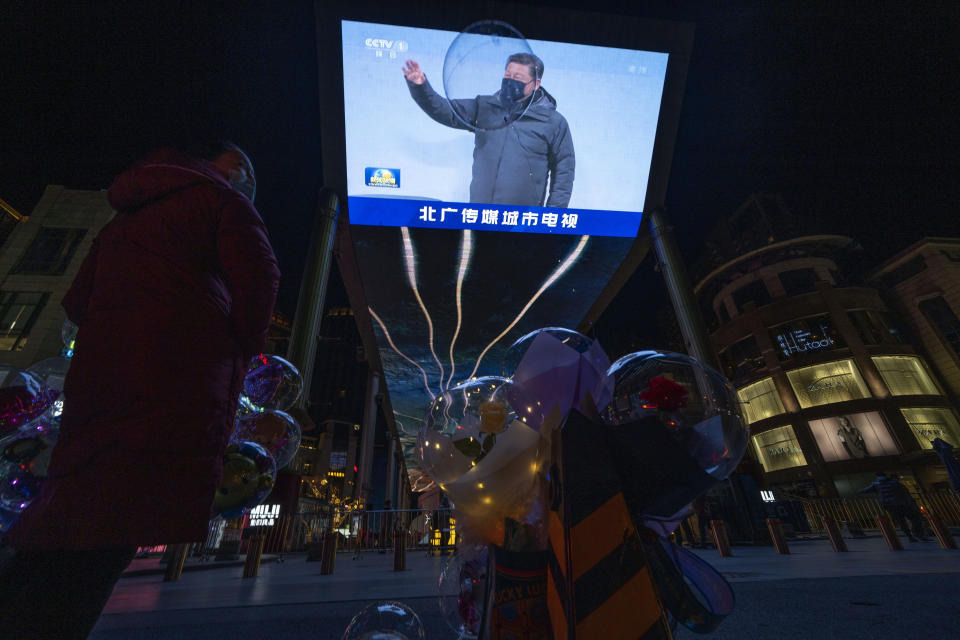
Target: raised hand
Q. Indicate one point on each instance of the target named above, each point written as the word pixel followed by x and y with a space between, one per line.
pixel 413 73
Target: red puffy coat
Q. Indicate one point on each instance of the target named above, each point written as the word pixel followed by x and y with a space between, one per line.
pixel 173 299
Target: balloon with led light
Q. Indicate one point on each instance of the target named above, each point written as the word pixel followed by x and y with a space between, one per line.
pixel 276 431
pixel 385 621
pixel 674 429
pixel 24 459
pixel 270 383
pixel 23 397
pixel 249 473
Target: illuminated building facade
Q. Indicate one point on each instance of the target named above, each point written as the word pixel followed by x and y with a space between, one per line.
pixel 832 382
pixel 39 258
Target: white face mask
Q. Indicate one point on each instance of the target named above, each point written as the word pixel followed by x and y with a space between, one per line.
pixel 240 181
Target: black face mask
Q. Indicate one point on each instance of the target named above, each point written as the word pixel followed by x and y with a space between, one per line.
pixel 510 91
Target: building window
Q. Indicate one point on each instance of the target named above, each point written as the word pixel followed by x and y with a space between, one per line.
pixel 755 292
pixel 760 400
pixel 815 333
pixel 906 376
pixel 778 449
pixel 18 311
pixel 828 382
pixel 875 327
pixel 798 281
pixel 50 252
pixel 941 316
pixel 741 358
pixel 907 270
pixel 856 435
pixel 929 423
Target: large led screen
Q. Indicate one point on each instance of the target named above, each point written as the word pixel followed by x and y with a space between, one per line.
pixel 469 233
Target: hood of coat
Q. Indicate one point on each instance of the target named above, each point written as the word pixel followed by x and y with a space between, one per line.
pixel 160 174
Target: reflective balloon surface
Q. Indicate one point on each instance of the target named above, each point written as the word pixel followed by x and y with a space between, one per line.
pixel 24 459
pixel 462 587
pixel 475 76
pixel 515 353
pixel 23 397
pixel 68 334
pixel 276 431
pixel 695 402
pixel 249 473
pixel 271 383
pixel 385 621
pixel 53 372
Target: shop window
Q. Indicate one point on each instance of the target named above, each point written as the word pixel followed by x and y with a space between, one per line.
pixel 18 311
pixel 798 281
pixel 855 435
pixel 815 333
pixel 906 376
pixel 50 252
pixel 778 449
pixel 941 316
pixel 755 292
pixel 760 400
pixel 875 327
pixel 827 383
pixel 741 358
pixel 929 423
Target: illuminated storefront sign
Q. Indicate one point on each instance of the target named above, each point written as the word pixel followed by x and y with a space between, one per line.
pixel 855 435
pixel 827 383
pixel 778 449
pixel 767 496
pixel 930 423
pixel 264 515
pixel 807 334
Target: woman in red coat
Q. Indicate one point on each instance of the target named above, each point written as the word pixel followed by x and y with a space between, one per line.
pixel 172 301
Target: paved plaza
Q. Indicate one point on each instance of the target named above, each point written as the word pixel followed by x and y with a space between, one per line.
pixel 869 592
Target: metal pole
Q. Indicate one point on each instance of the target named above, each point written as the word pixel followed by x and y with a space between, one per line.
pixel 681 291
pixel 313 288
pixel 367 434
pixel 391 470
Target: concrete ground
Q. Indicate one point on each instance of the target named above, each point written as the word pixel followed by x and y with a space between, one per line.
pixel 869 592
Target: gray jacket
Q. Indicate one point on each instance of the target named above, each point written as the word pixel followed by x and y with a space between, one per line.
pixel 511 164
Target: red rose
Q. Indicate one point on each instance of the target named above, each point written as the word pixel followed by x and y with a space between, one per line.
pixel 664 394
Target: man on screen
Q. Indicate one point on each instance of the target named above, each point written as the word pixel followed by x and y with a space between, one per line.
pixel 523 151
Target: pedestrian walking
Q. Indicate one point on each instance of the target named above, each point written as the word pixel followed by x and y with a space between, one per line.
pixel 894 498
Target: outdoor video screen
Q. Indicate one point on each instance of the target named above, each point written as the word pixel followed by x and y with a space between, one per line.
pixel 494 186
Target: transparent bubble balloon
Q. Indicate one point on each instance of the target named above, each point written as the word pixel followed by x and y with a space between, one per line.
pixel 462 427
pixel 53 372
pixel 475 70
pixel 68 334
pixel 24 460
pixel 275 431
pixel 679 420
pixel 385 621
pixel 462 586
pixel 23 398
pixel 7 520
pixel 249 473
pixel 514 354
pixel 271 383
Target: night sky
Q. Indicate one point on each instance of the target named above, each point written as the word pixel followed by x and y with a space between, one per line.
pixel 848 114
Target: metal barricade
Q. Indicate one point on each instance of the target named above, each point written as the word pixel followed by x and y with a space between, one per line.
pixel 366 531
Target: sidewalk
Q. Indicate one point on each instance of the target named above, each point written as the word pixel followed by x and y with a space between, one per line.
pixel 292 595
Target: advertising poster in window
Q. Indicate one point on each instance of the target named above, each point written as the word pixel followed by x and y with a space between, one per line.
pixel 852 436
pixel 479 219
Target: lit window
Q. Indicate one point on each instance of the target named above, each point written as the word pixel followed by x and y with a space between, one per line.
pixel 827 383
pixel 906 376
pixel 778 449
pixel 760 400
pixel 855 435
pixel 929 423
pixel 18 311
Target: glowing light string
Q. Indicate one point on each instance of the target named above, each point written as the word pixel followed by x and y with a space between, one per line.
pixel 410 257
pixel 386 333
pixel 466 253
pixel 568 262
